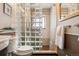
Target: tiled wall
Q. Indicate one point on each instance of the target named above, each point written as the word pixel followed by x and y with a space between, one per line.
pixel 72 22
pixel 46 30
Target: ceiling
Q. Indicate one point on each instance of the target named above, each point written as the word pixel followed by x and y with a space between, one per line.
pixel 67 4
pixel 40 5
pixel 37 5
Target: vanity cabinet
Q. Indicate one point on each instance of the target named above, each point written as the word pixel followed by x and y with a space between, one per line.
pixel 3 52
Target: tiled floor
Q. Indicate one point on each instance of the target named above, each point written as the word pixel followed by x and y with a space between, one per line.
pixel 44 52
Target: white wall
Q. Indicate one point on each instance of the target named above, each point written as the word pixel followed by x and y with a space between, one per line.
pixel 5 20
pixel 52 27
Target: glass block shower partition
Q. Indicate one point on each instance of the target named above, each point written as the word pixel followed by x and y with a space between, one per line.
pixel 29 27
pixel 29 33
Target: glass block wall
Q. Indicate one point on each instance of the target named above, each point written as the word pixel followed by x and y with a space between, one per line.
pixel 29 32
pixel 31 36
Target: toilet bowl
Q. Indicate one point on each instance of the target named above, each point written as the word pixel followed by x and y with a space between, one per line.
pixel 23 51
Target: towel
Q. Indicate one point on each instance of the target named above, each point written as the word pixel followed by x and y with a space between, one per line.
pixel 60 36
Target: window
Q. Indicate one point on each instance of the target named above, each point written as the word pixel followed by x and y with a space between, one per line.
pixel 38 22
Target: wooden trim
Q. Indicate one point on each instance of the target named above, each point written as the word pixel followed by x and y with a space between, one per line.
pixel 45 52
pixel 74 14
pixel 58 10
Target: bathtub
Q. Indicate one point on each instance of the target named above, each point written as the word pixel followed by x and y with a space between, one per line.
pixel 4 41
pixel 23 51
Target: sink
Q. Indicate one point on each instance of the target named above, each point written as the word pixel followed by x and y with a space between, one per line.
pixel 4 41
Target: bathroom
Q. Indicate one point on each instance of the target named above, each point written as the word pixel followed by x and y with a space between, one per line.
pixel 30 29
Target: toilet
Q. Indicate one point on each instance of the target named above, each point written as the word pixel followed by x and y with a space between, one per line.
pixel 23 51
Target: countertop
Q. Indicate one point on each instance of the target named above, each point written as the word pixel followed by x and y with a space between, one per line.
pixel 7 32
